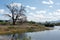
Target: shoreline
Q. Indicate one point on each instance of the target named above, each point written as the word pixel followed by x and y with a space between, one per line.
pixel 26 27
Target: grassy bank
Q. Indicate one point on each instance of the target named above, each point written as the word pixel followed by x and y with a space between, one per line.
pixel 11 29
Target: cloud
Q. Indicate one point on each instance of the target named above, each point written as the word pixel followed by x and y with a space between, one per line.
pixel 38 16
pixel 56 13
pixel 50 13
pixel 32 8
pixel 15 4
pixel 2 14
pixel 41 11
pixel 50 6
pixel 1 11
pixel 43 16
pixel 48 2
pixel 19 4
pixel 58 10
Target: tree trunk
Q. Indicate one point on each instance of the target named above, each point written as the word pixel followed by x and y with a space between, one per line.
pixel 13 17
pixel 13 22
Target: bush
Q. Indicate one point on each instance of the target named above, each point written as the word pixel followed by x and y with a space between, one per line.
pixel 31 22
pixel 49 25
pixel 3 23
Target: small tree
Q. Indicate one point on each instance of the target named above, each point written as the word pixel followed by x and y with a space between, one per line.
pixel 16 12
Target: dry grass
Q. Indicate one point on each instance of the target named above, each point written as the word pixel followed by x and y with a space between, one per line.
pixel 11 29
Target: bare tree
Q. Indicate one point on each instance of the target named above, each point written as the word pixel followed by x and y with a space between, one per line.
pixel 15 12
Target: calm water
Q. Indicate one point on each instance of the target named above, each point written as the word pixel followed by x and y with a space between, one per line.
pixel 42 35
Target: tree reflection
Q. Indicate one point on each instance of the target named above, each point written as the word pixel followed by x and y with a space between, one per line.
pixel 22 36
pixel 14 37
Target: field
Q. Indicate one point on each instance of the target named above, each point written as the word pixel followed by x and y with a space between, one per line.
pixel 25 27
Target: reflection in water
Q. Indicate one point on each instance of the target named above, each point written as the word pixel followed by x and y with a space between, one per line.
pixel 57 28
pixel 22 36
pixel 14 37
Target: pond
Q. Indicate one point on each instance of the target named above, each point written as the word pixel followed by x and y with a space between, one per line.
pixel 41 35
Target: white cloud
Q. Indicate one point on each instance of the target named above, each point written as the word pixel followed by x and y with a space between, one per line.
pixel 41 11
pixel 42 16
pixel 48 2
pixel 36 16
pixel 50 6
pixel 2 14
pixel 19 4
pixel 50 13
pixel 58 10
pixel 32 8
pixel 15 4
pixel 56 13
pixel 1 11
pixel 39 16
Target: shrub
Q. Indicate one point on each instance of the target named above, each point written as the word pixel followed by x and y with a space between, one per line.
pixel 31 29
pixel 49 25
pixel 3 23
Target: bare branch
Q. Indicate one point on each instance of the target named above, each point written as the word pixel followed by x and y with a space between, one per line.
pixel 8 15
pixel 16 11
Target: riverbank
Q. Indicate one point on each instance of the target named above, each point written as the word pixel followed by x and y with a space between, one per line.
pixel 26 27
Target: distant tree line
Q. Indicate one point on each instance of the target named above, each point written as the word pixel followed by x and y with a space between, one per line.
pixel 48 24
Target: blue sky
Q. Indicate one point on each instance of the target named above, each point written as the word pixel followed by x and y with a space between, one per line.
pixel 37 10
